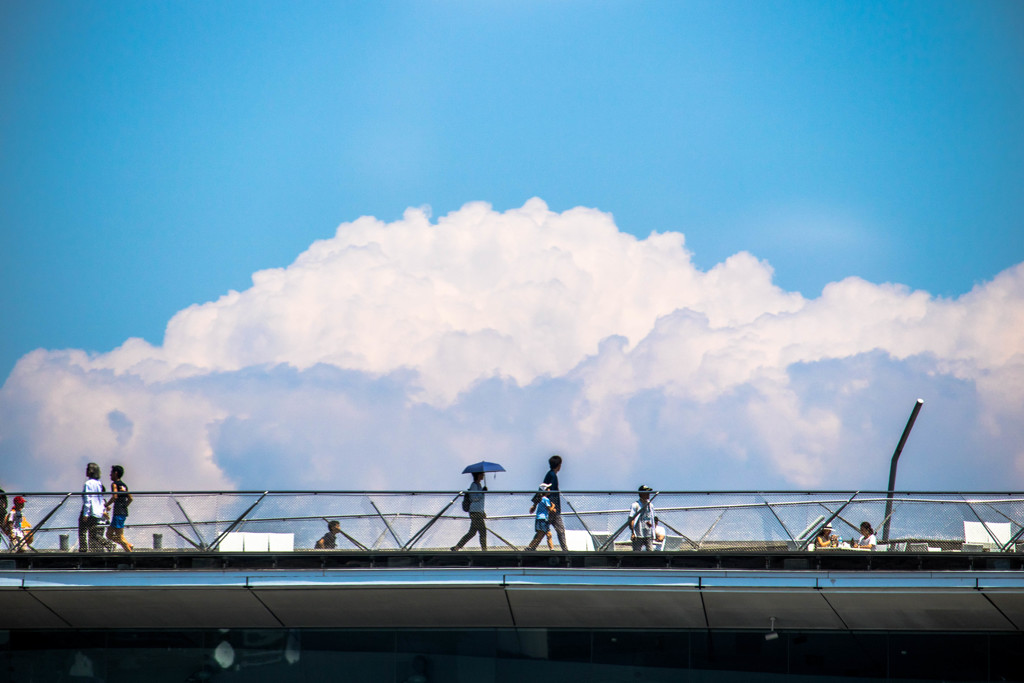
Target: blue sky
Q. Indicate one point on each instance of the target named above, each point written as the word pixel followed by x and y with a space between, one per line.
pixel 155 155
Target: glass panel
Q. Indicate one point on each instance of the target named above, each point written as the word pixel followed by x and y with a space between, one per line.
pixel 938 657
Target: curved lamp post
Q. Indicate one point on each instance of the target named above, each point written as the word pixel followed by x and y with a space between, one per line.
pixel 892 467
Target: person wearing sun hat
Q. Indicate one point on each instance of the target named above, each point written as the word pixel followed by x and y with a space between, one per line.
pixel 825 538
pixel 641 520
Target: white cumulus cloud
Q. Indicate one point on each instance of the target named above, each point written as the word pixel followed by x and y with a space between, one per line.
pixel 391 354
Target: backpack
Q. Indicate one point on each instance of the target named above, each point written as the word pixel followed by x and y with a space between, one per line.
pixel 465 502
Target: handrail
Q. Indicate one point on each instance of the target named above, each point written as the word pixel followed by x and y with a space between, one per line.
pixel 415 521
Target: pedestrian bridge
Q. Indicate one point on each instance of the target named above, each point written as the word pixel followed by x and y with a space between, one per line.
pixel 732 560
pixel 430 521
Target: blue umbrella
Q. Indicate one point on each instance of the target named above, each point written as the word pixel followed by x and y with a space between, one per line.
pixel 483 466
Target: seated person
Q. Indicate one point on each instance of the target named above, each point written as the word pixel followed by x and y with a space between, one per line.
pixel 825 538
pixel 329 540
pixel 867 537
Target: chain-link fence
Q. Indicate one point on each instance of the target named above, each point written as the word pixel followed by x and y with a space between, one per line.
pixel 581 521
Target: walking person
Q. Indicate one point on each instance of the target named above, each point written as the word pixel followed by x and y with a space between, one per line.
pixel 542 522
pixel 475 496
pixel 641 521
pixel 89 535
pixel 16 523
pixel 119 500
pixel 555 517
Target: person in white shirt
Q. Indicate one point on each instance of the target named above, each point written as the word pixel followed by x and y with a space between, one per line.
pixel 867 537
pixel 90 536
pixel 659 536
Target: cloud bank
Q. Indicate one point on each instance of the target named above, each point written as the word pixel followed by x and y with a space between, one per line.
pixel 392 354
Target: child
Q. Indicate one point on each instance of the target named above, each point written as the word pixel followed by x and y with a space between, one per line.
pixel 543 505
pixel 17 524
pixel 120 500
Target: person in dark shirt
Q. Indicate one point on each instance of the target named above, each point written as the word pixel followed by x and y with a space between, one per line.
pixel 120 500
pixel 329 541
pixel 555 517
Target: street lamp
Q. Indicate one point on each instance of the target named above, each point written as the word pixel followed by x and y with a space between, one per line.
pixel 892 467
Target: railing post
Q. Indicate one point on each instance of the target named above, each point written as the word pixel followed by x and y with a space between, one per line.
pixel 42 523
pixel 792 541
pixel 991 535
pixel 579 517
pixel 216 544
pixel 416 536
pixel 202 541
pixel 385 520
pixel 710 529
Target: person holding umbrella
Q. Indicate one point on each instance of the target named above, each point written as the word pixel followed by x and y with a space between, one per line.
pixel 474 503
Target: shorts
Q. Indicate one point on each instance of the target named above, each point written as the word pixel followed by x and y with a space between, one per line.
pixel 542 525
pixel 118 521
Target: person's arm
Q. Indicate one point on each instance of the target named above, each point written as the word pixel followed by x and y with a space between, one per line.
pixel 319 544
pixel 27 535
pixel 115 491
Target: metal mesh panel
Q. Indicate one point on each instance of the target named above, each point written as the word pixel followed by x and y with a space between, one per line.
pixel 434 521
pixel 51 516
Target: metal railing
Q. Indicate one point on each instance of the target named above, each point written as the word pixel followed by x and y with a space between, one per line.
pixel 768 521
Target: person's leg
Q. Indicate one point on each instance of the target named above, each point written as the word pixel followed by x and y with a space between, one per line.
pixel 482 529
pixel 84 524
pixel 96 540
pixel 556 521
pixel 115 533
pixel 536 539
pixel 473 528
pixel 469 535
pixel 551 546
